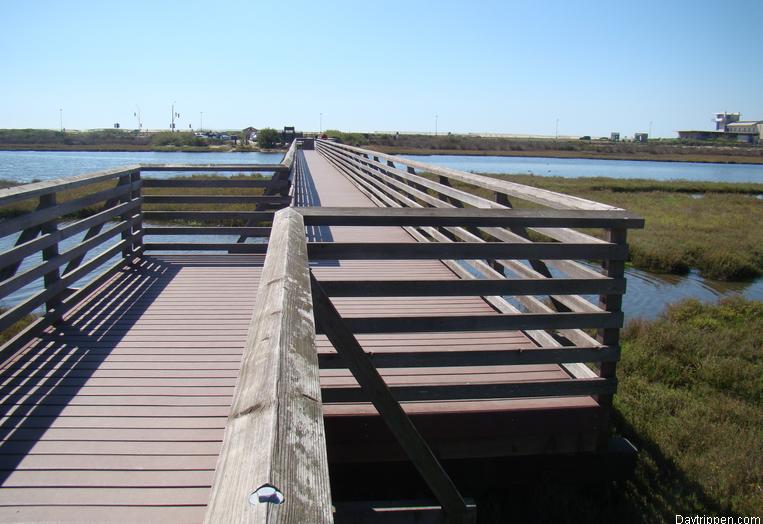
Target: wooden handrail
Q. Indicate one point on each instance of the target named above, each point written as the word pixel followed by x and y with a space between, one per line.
pixel 274 437
pixel 539 196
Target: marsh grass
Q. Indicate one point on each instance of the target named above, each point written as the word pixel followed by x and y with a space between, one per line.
pixel 710 226
pixel 690 397
pixel 14 329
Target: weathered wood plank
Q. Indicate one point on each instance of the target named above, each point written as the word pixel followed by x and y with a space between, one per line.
pixel 275 434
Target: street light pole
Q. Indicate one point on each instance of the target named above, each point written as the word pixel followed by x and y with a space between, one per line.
pixel 61 118
pixel 320 125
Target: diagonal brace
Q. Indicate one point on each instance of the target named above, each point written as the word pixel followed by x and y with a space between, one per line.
pixel 328 319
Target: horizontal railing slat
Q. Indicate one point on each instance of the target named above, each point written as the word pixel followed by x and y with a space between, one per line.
pixel 36 189
pixel 213 167
pixel 463 251
pixel 215 199
pixel 206 183
pixel 208 215
pixel 546 388
pixel 416 288
pixel 240 247
pixel 521 321
pixel 342 216
pixel 415 359
pixel 211 230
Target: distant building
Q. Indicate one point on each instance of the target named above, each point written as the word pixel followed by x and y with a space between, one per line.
pixel 728 126
pixel 641 137
pixel 614 137
pixel 724 119
pixel 748 131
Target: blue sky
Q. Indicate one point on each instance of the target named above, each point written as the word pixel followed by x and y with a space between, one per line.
pixel 499 67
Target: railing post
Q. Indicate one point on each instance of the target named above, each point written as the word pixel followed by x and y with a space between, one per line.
pixel 126 234
pixel 137 228
pixel 610 336
pixel 49 200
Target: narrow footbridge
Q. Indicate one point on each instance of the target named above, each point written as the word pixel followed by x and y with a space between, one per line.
pixel 276 348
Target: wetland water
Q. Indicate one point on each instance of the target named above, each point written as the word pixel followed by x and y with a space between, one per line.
pixel 585 167
pixel 647 294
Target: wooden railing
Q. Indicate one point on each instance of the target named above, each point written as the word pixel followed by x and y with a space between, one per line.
pixel 531 264
pixel 34 212
pixel 105 211
pixel 394 182
pixel 273 465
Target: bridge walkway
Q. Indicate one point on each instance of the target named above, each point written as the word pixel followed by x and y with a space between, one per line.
pixel 454 429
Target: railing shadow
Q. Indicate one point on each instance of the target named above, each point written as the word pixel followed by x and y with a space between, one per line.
pixel 40 384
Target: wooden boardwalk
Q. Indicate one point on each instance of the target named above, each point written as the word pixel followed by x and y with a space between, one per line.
pixel 118 413
pixel 122 409
pixel 451 428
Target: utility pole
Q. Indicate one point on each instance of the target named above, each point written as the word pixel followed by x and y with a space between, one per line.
pixel 557 129
pixel 174 116
pixel 435 124
pixel 201 120
pixel 137 115
pixel 61 118
pixel 650 129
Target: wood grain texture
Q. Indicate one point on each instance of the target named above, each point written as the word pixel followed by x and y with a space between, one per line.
pixel 275 433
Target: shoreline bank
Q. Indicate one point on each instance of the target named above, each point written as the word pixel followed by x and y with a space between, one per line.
pixel 689 158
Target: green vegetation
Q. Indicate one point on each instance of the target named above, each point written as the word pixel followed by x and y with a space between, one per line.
pixel 14 329
pixel 114 140
pixel 659 149
pixel 702 225
pixel 268 138
pixel 690 397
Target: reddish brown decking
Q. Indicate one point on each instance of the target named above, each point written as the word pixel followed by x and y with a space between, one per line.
pixel 118 414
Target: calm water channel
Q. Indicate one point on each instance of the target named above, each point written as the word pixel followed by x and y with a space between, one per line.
pixel 647 293
pixel 583 167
